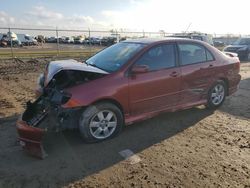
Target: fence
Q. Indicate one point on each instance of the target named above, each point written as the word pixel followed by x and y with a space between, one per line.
pixel 60 49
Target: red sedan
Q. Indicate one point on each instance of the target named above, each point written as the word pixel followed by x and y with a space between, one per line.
pixel 127 82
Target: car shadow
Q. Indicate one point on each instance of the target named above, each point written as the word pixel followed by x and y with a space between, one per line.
pixel 71 159
pixel 239 103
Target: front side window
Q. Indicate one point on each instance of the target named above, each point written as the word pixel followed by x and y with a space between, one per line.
pixel 112 58
pixel 158 57
pixel 192 53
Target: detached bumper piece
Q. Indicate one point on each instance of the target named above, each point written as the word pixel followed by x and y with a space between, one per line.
pixel 30 136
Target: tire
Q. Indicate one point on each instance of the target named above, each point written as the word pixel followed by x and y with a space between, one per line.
pixel 217 95
pixel 100 122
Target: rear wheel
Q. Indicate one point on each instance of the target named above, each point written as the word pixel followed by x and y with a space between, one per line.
pixel 100 122
pixel 217 94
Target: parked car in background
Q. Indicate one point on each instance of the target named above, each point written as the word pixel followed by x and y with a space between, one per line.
pixel 40 39
pixel 196 36
pixel 69 40
pixel 3 42
pixel 93 41
pixel 128 82
pixel 29 40
pixel 241 47
pixel 123 38
pixel 62 39
pixel 10 37
pixel 51 39
pixel 219 43
pixel 79 39
pixel 108 41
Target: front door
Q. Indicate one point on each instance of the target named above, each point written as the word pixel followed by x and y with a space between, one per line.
pixel 158 87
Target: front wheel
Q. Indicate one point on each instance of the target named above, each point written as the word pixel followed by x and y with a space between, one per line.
pixel 100 122
pixel 217 94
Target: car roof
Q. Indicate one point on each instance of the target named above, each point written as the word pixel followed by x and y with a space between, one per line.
pixel 158 40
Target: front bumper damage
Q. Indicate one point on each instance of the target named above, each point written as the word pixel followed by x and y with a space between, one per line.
pixel 40 118
pixel 29 134
pixel 30 139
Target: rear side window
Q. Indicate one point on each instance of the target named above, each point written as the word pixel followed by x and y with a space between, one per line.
pixel 210 57
pixel 159 57
pixel 192 53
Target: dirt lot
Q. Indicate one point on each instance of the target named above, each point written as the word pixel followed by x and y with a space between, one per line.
pixel 191 148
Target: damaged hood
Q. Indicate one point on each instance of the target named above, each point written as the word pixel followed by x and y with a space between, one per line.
pixel 56 66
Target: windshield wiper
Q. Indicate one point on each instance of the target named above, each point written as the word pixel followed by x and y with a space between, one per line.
pixel 94 65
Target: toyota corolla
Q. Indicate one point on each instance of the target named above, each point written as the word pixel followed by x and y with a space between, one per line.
pixel 125 83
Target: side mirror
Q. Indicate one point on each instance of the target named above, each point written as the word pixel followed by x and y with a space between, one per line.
pixel 139 69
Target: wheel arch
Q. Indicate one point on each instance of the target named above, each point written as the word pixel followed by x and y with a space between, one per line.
pixel 112 101
pixel 226 82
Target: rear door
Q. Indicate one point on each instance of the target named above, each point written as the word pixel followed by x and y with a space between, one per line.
pixel 198 69
pixel 159 87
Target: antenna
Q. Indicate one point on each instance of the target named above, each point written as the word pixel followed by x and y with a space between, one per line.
pixel 188 27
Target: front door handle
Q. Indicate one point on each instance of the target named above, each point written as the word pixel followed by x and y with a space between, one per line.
pixel 174 74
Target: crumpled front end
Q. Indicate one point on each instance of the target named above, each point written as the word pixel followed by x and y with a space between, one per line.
pixel 45 115
pixel 48 113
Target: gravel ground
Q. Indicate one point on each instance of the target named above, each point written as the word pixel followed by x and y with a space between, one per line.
pixel 190 148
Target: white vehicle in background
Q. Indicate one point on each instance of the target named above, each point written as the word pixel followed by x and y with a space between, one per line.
pixel 29 40
pixel 69 40
pixel 12 35
pixel 196 36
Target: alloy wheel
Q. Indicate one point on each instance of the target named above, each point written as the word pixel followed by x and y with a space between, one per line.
pixel 218 94
pixel 103 124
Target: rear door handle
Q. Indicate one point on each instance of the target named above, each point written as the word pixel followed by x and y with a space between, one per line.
pixel 174 74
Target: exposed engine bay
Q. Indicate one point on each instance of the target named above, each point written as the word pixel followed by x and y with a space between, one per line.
pixel 69 78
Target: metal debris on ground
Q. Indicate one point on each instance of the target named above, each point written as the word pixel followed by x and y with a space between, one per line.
pixel 130 156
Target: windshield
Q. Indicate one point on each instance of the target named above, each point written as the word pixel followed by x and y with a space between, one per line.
pixel 242 41
pixel 113 57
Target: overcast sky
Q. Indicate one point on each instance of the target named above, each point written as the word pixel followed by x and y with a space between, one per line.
pixel 211 16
